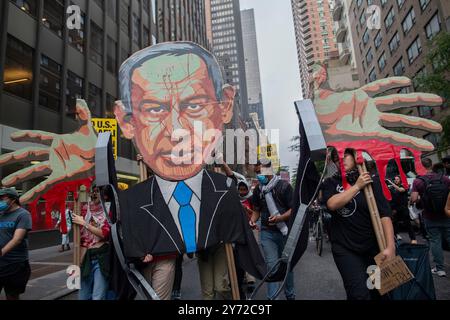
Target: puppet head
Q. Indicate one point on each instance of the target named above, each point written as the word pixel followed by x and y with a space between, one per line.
pixel 171 94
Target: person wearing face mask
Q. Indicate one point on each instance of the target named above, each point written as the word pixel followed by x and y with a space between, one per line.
pixel 15 222
pixel 95 230
pixel 272 203
pixel 353 240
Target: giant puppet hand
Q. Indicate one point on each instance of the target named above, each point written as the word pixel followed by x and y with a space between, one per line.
pixel 360 114
pixel 65 157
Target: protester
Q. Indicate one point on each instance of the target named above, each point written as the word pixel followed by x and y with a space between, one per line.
pixel 245 195
pixel 276 194
pixel 446 163
pixel 432 191
pixel 399 206
pixel 15 223
pixel 65 234
pixel 95 231
pixel 353 239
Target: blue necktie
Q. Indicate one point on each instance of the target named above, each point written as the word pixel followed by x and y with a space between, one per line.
pixel 186 216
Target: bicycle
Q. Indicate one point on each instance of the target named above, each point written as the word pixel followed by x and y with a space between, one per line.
pixel 318 228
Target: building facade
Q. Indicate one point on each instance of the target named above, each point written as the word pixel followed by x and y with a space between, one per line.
pixel 46 65
pixel 253 78
pixel 400 47
pixel 228 48
pixel 315 38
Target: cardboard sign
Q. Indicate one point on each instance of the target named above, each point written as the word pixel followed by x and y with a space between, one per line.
pixel 393 274
pixel 107 125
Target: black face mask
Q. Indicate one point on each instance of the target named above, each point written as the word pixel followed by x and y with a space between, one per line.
pixel 352 176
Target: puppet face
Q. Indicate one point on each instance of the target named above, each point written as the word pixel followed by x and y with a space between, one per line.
pixel 172 97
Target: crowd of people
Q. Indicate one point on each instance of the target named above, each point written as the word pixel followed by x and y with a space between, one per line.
pixel 268 209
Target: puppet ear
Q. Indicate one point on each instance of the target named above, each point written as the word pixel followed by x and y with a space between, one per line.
pixel 122 118
pixel 228 93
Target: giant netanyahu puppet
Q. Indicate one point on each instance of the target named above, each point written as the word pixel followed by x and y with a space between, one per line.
pixel 174 104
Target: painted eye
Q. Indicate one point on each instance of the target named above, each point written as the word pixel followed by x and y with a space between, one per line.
pixel 194 107
pixel 155 110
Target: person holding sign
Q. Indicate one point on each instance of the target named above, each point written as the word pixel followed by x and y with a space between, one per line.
pixel 354 243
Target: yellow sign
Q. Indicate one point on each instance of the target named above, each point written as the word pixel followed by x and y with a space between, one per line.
pixel 107 125
pixel 270 151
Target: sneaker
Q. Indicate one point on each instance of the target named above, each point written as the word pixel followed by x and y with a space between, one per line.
pixel 399 237
pixel 439 273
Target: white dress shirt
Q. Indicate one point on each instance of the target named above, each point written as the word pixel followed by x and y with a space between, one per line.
pixel 168 187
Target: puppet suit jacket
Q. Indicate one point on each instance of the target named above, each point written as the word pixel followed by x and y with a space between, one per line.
pixel 148 226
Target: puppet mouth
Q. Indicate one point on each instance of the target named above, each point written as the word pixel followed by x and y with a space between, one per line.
pixel 183 158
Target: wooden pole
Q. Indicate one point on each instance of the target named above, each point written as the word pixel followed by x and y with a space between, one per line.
pixel 82 198
pixel 374 214
pixel 232 272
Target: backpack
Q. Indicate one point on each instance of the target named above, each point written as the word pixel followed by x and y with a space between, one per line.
pixel 435 196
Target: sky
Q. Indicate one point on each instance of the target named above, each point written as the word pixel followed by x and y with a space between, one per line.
pixel 280 76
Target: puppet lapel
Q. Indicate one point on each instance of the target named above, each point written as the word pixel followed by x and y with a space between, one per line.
pixel 209 208
pixel 159 211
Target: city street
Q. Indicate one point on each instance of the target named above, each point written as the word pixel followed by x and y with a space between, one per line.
pixel 316 278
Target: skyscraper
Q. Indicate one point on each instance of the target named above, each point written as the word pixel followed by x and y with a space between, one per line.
pixel 254 94
pixel 228 48
pixel 399 47
pixel 314 35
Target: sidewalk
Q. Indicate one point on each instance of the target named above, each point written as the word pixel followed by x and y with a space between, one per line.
pixel 48 274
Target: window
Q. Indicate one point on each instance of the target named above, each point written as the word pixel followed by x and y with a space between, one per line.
pixel 146 36
pixel 136 29
pixel 409 21
pixel 18 73
pixel 366 37
pixel 54 15
pixel 99 3
pixel 76 36
pixel 421 73
pixel 95 100
pixel 50 84
pixel 146 6
pixel 426 112
pixel 110 101
pixel 124 15
pixel 75 90
pixel 358 3
pixel 400 3
pixel 372 75
pixel 111 56
pixel 433 27
pixel 382 61
pixel 394 43
pixel 424 4
pixel 362 18
pixel 96 44
pixel 399 68
pixel 369 56
pixel 414 50
pixel 111 9
pixel 383 2
pixel 28 6
pixel 378 39
pixel 389 20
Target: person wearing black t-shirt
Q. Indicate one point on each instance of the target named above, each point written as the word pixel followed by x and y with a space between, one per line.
pixel 353 239
pixel 399 206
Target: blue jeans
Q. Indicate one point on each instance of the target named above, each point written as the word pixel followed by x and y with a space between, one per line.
pixel 272 243
pixel 438 230
pixel 95 286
